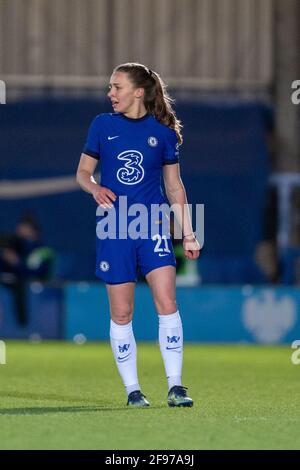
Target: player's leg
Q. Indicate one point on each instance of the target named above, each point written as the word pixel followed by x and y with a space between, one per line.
pixel 162 282
pixel 121 301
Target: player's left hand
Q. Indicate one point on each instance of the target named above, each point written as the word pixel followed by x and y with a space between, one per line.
pixel 191 247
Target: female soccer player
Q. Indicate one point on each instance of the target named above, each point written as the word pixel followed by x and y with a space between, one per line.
pixel 136 145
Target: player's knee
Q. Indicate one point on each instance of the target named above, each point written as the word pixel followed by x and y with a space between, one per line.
pixel 166 306
pixel 122 316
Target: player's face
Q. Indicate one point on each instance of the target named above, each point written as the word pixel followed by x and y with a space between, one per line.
pixel 122 93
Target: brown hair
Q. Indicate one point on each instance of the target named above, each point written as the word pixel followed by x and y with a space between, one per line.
pixel 156 98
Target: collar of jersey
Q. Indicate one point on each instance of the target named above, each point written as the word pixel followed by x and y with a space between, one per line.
pixel 146 116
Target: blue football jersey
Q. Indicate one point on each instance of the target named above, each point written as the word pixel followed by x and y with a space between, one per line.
pixel 132 153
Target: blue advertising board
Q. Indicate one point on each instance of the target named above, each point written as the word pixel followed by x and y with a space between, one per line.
pixel 209 314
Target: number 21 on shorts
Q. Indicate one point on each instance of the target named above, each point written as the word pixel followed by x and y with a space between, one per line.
pixel 161 250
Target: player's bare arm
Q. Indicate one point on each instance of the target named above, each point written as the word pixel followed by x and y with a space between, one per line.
pixel 85 178
pixel 176 195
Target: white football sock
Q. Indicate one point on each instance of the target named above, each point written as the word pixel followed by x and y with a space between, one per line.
pixel 124 349
pixel 171 346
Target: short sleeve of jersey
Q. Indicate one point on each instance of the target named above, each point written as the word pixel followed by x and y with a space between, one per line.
pixel 92 144
pixel 171 152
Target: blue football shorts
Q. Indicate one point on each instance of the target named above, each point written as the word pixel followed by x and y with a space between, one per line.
pixel 120 260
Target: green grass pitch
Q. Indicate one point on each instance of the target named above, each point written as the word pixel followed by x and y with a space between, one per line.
pixel 65 396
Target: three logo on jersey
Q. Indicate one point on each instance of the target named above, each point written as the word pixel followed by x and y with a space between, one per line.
pixel 132 172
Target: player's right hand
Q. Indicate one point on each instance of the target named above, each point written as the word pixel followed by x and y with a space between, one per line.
pixel 104 196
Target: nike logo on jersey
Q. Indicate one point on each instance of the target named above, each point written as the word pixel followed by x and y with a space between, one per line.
pixel 176 347
pixel 113 137
pixel 163 254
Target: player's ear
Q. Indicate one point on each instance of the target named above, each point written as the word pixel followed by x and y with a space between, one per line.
pixel 139 92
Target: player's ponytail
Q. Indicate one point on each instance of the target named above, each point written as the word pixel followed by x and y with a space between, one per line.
pixel 156 98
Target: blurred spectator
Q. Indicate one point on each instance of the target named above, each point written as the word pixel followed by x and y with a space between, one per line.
pixel 24 257
pixel 267 261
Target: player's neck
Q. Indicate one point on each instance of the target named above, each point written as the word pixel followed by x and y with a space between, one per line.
pixel 136 113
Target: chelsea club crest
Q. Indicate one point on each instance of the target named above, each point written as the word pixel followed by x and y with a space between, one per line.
pixel 152 141
pixel 104 266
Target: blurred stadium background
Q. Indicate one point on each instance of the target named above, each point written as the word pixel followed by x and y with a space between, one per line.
pixel 230 65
